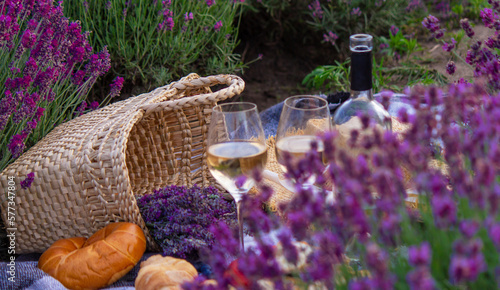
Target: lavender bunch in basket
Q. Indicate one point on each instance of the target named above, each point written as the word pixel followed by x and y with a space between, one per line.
pixel 449 238
pixel 47 68
pixel 179 218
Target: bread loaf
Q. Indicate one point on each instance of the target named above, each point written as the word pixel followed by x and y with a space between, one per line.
pixel 159 272
pixel 101 260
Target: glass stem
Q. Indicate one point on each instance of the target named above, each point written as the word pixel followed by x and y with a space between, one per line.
pixel 240 224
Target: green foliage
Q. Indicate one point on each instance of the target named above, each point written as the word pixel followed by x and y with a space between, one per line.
pixel 474 8
pixel 144 49
pixel 399 45
pixel 336 77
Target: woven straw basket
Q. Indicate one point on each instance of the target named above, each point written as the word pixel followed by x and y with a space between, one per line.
pixel 88 170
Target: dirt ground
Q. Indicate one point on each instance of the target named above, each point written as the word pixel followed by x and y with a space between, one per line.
pixel 281 70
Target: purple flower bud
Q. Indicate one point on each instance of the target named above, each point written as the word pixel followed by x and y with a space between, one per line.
pixel 431 23
pixel 330 37
pixel 78 77
pixel 463 268
pixel 449 46
pixel 464 23
pixel 94 105
pixel 188 16
pixel 80 109
pixel 439 34
pixel 476 46
pixel 377 259
pixel 39 113
pixel 420 279
pixel 361 284
pixel 494 233
pixel 356 11
pixel 289 250
pixel 298 224
pixel 394 30
pixel 450 67
pixel 218 26
pixel 116 87
pixel 16 145
pixel 419 255
pixel 488 17
pixel 445 211
pixel 26 183
pixel 28 39
pixel 316 9
pixel 210 2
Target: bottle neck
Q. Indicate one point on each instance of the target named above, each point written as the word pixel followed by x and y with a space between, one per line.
pixel 361 71
pixel 367 95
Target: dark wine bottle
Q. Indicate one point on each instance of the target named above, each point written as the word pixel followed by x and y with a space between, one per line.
pixel 361 101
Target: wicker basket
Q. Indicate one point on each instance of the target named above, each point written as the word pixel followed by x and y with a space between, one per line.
pixel 88 170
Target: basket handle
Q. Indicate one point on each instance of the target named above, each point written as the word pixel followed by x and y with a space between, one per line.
pixel 235 87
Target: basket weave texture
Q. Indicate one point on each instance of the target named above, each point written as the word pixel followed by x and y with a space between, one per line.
pixel 88 170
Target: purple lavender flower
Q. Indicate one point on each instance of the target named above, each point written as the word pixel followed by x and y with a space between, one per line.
pixel 494 233
pixel 218 26
pixel 188 16
pixel 449 46
pixel 420 279
pixel 356 11
pixel 316 9
pixel 464 268
pixel 488 17
pixel 16 145
pixel 468 228
pixel 94 105
pixel 78 76
pixel 451 67
pixel 394 30
pixel 81 109
pixel 419 255
pixel 99 63
pixel 116 86
pixel 26 183
pixel 6 30
pixel 289 250
pixel 167 24
pixel 445 211
pixel 361 284
pixel 210 2
pixel 413 5
pixel 464 23
pixel 39 113
pixel 431 23
pixel 330 37
pixel 28 39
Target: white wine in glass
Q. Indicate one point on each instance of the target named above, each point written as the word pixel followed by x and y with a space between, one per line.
pixel 236 148
pixel 303 118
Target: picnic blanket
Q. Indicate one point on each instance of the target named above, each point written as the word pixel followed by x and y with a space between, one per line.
pixel 28 276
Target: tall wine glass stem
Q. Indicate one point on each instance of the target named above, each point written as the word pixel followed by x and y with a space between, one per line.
pixel 237 199
pixel 240 224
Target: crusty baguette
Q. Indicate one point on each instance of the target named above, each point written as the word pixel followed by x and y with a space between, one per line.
pixel 101 260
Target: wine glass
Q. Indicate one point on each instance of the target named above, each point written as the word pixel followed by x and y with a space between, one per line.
pixel 236 148
pixel 302 119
